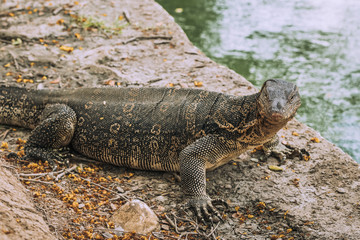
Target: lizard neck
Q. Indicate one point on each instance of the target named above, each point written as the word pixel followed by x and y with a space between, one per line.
pixel 233 116
pixel 239 118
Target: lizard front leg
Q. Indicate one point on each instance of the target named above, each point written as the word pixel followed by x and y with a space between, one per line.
pixel 56 129
pixel 193 173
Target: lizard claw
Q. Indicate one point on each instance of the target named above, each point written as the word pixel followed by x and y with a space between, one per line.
pixel 203 208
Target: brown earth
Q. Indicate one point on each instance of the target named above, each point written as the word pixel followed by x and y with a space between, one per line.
pixel 67 44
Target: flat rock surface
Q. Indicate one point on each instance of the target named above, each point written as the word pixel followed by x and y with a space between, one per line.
pixel 68 44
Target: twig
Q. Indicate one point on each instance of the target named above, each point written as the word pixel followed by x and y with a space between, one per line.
pixel 65 172
pixel 171 223
pixel 126 16
pixel 37 174
pixel 33 180
pixel 212 232
pixel 5 134
pixel 155 80
pixel 146 38
pixel 57 10
pixel 15 61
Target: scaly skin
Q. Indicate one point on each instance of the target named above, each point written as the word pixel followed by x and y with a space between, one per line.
pixel 181 130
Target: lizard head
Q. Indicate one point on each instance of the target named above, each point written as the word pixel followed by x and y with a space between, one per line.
pixel 278 100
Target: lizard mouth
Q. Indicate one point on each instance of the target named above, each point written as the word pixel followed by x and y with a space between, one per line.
pixel 276 116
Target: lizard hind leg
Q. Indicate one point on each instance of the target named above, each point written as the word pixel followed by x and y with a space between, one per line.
pixel 55 131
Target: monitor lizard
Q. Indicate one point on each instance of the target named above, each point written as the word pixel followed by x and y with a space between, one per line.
pixel 167 129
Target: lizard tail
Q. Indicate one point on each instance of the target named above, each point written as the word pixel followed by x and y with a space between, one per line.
pixel 20 107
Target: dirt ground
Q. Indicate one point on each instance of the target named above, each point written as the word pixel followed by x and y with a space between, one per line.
pixel 70 44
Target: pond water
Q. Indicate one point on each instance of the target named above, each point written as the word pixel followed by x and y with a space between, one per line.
pixel 315 44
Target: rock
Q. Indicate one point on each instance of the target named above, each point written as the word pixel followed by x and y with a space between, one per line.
pixel 341 190
pixel 120 189
pixel 136 216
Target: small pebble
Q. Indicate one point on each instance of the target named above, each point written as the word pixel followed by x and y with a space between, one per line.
pixel 341 190
pixel 120 190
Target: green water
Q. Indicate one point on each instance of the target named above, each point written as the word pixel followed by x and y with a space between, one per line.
pixel 314 43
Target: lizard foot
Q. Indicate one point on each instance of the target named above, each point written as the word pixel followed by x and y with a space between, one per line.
pixel 302 153
pixel 203 208
pixel 53 156
pixel 283 152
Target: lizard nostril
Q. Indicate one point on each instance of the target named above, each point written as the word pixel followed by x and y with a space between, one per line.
pixel 277 106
